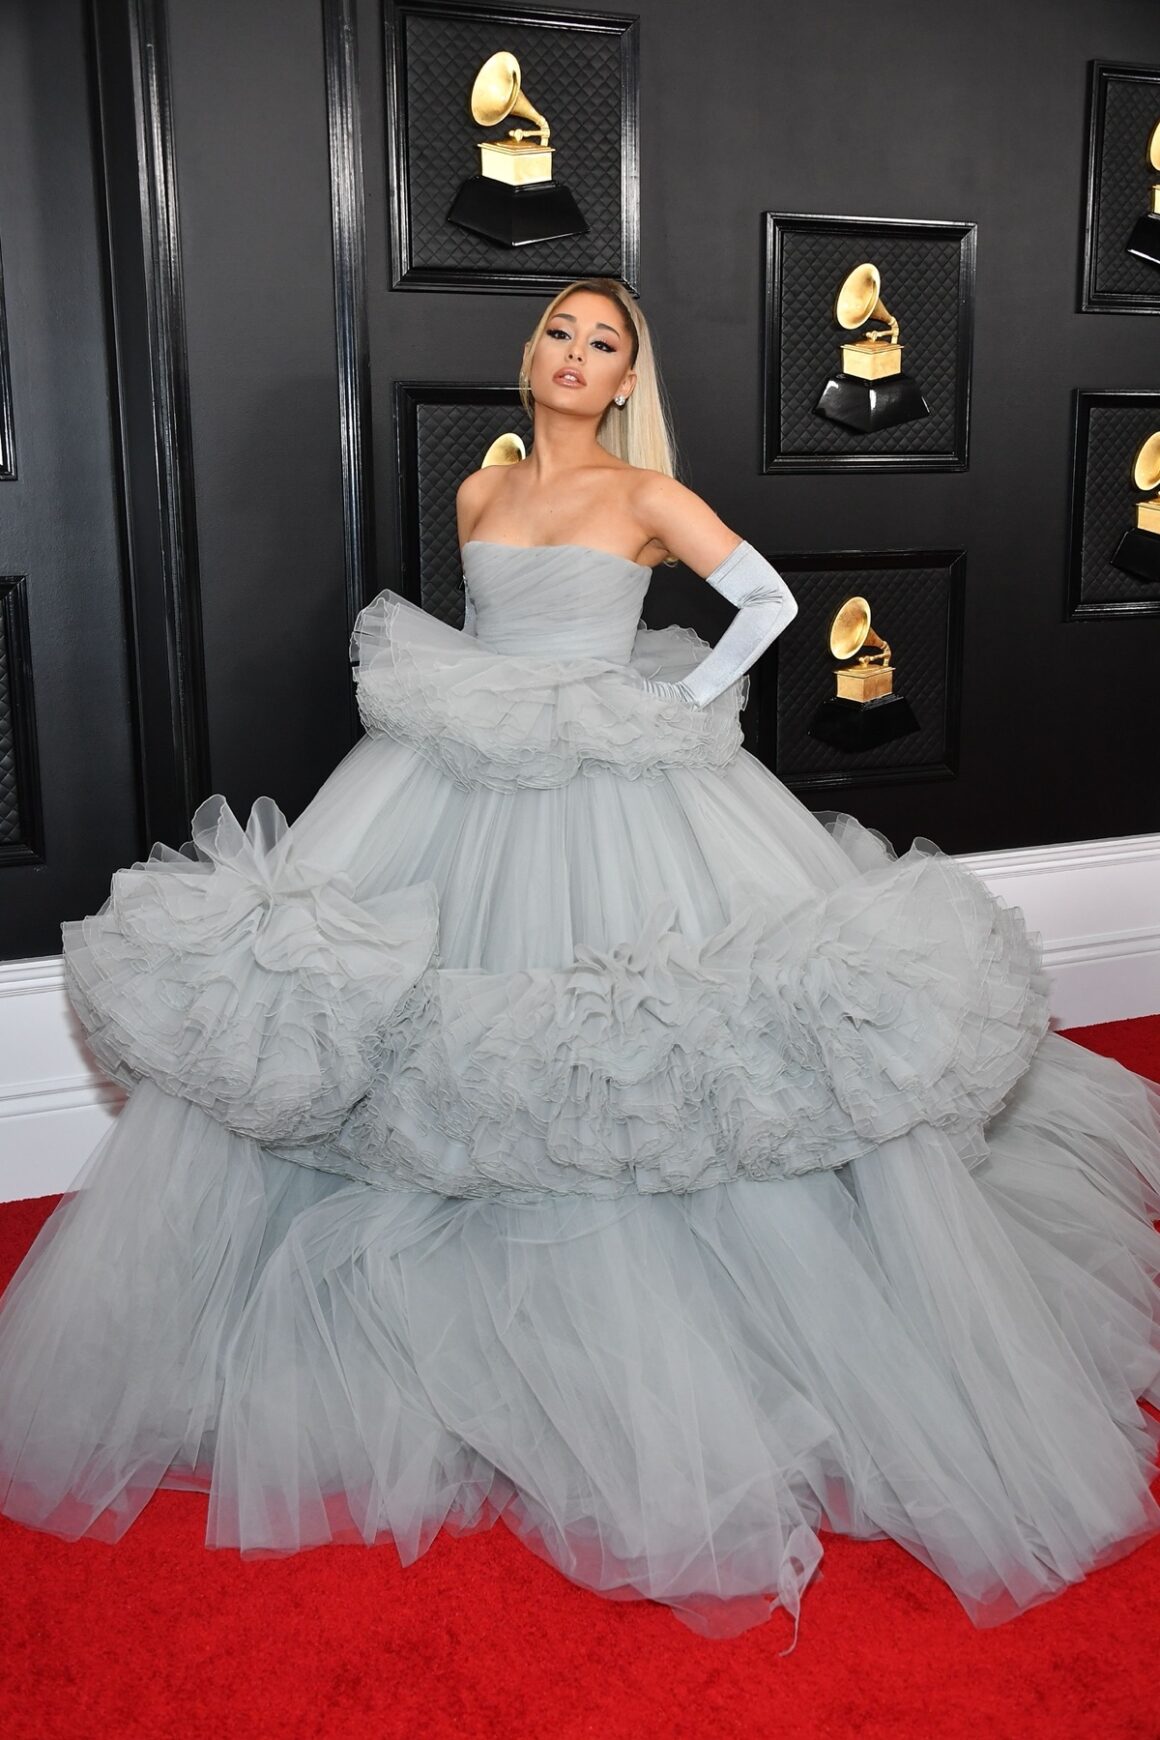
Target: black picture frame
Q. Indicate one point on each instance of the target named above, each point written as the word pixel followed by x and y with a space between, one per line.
pixel 588 59
pixel 930 288
pixel 1108 425
pixel 923 622
pixel 21 844
pixel 442 430
pixel 1121 99
pixel 7 424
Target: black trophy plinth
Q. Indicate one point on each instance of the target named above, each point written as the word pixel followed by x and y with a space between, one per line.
pixel 854 725
pixel 540 211
pixel 869 405
pixel 1144 241
pixel 1138 554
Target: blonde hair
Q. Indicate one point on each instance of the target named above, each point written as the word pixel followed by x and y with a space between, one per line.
pixel 640 431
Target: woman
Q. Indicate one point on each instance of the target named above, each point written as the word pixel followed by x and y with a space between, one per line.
pixel 560 1122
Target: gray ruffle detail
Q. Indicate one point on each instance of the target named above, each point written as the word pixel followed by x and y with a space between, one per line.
pixel 325 1026
pixel 236 976
pixel 508 720
pixel 908 996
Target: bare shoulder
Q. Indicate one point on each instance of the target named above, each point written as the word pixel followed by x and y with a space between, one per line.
pixel 476 487
pixel 473 495
pixel 680 520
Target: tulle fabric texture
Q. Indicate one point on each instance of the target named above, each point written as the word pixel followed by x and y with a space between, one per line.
pixel 635 1157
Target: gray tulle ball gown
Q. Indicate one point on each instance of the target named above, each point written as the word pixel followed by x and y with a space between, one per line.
pixel 560 1122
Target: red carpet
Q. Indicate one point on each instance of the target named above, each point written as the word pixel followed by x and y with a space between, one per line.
pixel 159 1637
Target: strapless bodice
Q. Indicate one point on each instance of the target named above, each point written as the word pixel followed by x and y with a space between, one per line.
pixel 555 599
pixel 552 679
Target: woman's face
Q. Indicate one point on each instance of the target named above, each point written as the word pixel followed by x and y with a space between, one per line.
pixel 582 359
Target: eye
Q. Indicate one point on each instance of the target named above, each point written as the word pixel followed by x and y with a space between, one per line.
pixel 556 332
pixel 604 345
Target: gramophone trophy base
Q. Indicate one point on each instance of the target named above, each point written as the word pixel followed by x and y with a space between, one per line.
pixel 865 682
pixel 869 405
pixel 1144 241
pixel 513 217
pixel 871 362
pixel 1138 554
pixel 519 162
pixel 854 725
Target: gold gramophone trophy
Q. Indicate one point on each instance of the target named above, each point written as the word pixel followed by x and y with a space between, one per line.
pixel 504 450
pixel 1138 551
pixel 1144 241
pixel 871 392
pixel 865 712
pixel 513 200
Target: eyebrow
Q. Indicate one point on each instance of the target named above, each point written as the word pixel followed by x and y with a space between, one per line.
pixel 601 325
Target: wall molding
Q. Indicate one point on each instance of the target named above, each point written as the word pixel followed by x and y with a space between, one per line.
pixel 1095 903
pixel 18 726
pixel 7 420
pixel 344 124
pixel 138 168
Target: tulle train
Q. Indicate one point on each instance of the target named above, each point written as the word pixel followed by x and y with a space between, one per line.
pixel 665 1396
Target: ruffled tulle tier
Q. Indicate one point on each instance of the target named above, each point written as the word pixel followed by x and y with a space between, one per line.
pixel 907 997
pixel 507 720
pixel 259 987
pixel 237 976
pixel 666 1396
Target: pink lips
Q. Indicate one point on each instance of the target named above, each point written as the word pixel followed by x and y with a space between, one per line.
pixel 577 379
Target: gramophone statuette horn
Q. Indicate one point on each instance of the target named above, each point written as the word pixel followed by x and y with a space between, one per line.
pixel 1138 551
pixel 1144 242
pixel 514 199
pixel 495 95
pixel 871 391
pixel 1146 476
pixel 865 712
pixel 878 352
pixel 506 449
pixel 872 674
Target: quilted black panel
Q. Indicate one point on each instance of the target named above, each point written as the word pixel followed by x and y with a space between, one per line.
pixel 20 808
pixel 1129 107
pixel 1109 430
pixel 573 76
pixel 916 605
pixel 442 439
pixel 927 281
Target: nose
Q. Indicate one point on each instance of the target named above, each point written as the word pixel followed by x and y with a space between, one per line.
pixel 576 349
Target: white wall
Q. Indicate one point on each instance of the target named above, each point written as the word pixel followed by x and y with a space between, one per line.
pixel 1096 904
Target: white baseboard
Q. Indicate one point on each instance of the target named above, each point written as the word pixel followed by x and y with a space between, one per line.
pixel 55 1105
pixel 1095 903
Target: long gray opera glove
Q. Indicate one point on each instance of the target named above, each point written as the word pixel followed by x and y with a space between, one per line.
pixel 765 606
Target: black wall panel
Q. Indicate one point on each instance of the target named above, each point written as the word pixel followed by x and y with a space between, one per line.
pixel 66 712
pixel 250 127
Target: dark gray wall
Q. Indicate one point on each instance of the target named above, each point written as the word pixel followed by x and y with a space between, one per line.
pixel 748 106
pixel 250 131
pixel 58 516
